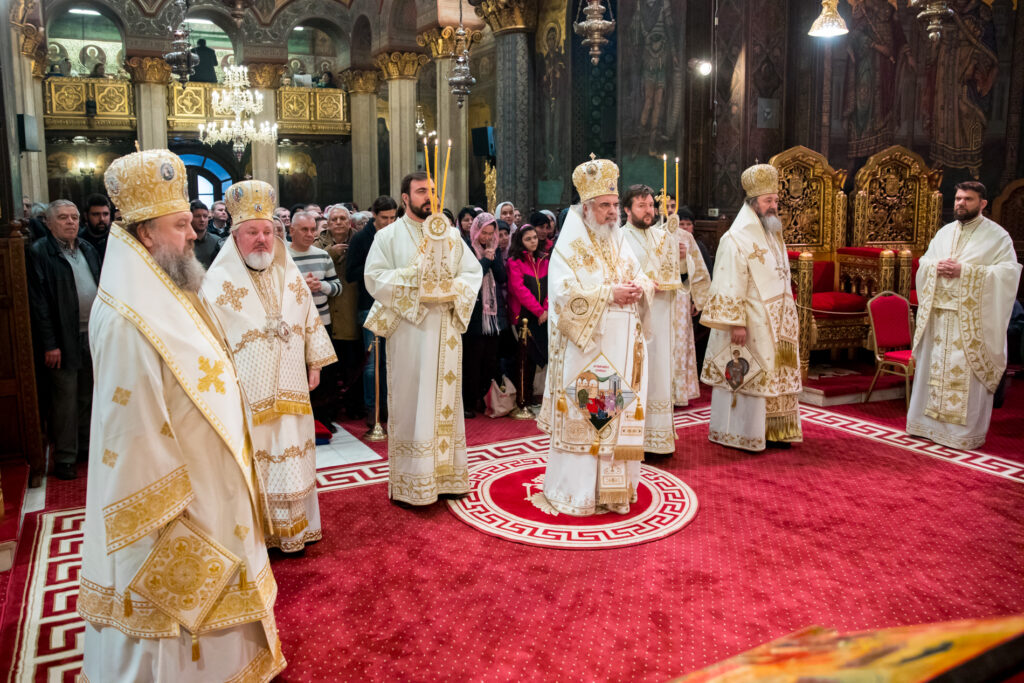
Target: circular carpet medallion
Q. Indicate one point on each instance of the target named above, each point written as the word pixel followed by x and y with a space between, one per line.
pixel 507 500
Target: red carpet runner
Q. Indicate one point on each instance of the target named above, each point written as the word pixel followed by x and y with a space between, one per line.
pixel 859 527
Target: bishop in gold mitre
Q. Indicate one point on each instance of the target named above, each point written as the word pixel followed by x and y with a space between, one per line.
pixel 596 388
pixel 753 321
pixel 278 343
pixel 175 582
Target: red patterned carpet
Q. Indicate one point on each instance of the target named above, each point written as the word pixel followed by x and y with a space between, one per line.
pixel 859 527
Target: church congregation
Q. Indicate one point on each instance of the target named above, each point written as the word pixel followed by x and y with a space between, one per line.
pixel 507 344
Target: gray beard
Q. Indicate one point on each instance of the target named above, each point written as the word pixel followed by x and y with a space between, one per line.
pixel 259 260
pixel 183 268
pixel 772 224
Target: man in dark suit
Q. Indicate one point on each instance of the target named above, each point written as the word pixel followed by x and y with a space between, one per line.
pixel 63 275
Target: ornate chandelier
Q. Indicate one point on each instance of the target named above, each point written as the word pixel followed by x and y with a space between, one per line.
pixel 936 13
pixel 181 58
pixel 594 28
pixel 460 80
pixel 241 103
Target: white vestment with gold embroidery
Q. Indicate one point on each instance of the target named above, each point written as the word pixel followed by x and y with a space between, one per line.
pixel 652 248
pixel 685 378
pixel 175 582
pixel 274 334
pixel 752 288
pixel 426 427
pixel 960 339
pixel 593 470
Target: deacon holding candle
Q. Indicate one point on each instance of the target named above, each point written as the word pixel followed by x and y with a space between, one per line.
pixel 425 282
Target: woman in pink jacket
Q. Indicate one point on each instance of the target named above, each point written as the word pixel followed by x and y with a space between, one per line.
pixel 528 298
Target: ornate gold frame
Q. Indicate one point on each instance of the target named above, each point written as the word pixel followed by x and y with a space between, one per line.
pixel 887 183
pixel 65 103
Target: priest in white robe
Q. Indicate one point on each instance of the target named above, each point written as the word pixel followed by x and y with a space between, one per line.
pixel 596 387
pixel 657 255
pixel 688 300
pixel 279 345
pixel 752 360
pixel 424 281
pixel 966 285
pixel 175 582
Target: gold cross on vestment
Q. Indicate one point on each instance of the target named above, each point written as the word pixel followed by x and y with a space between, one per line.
pixel 758 253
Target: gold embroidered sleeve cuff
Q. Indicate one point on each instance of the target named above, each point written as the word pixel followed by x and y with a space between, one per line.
pixel 146 510
pixel 465 300
pixel 382 321
pixel 723 312
pixel 319 349
pixel 578 319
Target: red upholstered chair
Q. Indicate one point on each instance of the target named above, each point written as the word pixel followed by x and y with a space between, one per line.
pixel 892 335
pixel 832 281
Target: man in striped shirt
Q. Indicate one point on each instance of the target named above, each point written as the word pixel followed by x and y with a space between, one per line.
pixel 316 266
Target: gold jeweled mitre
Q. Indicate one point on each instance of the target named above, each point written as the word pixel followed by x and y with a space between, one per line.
pixel 595 178
pixel 760 179
pixel 145 185
pixel 250 200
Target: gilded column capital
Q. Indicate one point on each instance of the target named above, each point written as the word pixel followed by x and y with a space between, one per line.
pixel 442 41
pixel 361 81
pixel 400 65
pixel 507 16
pixel 266 76
pixel 148 70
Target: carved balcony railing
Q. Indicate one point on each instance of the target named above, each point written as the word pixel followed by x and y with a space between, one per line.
pixel 106 104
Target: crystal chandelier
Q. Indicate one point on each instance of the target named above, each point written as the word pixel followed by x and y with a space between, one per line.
pixel 181 58
pixel 240 102
pixel 594 28
pixel 935 13
pixel 460 80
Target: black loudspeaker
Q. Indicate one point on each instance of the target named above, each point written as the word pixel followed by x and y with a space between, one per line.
pixel 28 134
pixel 483 141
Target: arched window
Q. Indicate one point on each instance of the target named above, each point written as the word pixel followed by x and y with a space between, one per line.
pixel 83 41
pixel 207 179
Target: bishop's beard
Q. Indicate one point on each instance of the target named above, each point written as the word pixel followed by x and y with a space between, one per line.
pixel 182 267
pixel 259 260
pixel 771 223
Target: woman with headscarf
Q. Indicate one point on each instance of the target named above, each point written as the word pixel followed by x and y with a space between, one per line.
pixel 506 211
pixel 480 342
pixel 528 300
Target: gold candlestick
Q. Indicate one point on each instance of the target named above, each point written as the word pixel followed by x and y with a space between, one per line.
pixel 377 433
pixel 521 412
pixel 677 184
pixel 664 183
pixel 426 163
pixel 444 185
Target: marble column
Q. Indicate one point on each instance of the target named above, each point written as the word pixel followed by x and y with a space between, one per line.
pixel 512 22
pixel 265 79
pixel 29 64
pixel 362 102
pixel 400 70
pixel 150 76
pixel 452 120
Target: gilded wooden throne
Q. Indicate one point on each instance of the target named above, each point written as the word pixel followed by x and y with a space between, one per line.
pixel 833 281
pixel 897 206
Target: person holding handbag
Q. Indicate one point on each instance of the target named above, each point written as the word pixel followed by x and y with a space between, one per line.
pixel 528 298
